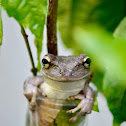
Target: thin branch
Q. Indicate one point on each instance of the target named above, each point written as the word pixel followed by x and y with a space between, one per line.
pixel 51 27
pixel 33 70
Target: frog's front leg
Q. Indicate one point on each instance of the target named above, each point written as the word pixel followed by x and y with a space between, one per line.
pixel 85 106
pixel 31 90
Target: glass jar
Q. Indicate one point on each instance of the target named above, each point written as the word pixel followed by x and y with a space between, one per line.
pixel 52 112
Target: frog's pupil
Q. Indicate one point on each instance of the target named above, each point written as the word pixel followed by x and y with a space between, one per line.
pixel 45 61
pixel 88 61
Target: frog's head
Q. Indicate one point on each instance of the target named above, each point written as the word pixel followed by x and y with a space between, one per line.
pixel 66 68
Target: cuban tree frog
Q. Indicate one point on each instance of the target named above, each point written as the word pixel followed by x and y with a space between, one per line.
pixel 64 77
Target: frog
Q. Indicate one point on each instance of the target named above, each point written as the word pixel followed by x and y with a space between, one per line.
pixel 63 77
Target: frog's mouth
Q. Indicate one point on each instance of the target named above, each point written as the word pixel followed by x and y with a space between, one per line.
pixel 63 78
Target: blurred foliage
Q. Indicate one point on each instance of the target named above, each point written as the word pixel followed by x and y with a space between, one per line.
pixel 108 54
pixel 120 31
pixel 29 14
pixel 116 98
pixel 87 27
pixel 72 13
pixel 1 32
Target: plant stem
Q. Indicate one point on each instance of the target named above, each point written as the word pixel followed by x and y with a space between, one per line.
pixel 33 70
pixel 51 27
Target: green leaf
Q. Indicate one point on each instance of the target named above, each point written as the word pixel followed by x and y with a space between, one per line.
pixel 115 124
pixel 95 106
pixel 116 98
pixel 120 31
pixel 38 44
pixel 105 13
pixel 30 14
pixel 63 119
pixel 98 78
pixel 1 31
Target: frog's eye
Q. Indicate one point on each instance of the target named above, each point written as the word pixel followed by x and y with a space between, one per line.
pixel 86 62
pixel 46 62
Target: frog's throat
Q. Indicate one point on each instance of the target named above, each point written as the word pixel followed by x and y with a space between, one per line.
pixel 62 90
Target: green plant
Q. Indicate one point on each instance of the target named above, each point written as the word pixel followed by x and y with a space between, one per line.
pixel 85 27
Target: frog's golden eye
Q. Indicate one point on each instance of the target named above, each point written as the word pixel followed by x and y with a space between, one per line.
pixel 86 62
pixel 46 62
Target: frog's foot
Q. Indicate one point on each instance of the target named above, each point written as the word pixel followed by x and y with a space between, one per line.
pixel 84 106
pixel 79 96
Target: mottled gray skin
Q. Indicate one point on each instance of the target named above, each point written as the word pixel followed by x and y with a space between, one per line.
pixel 66 68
